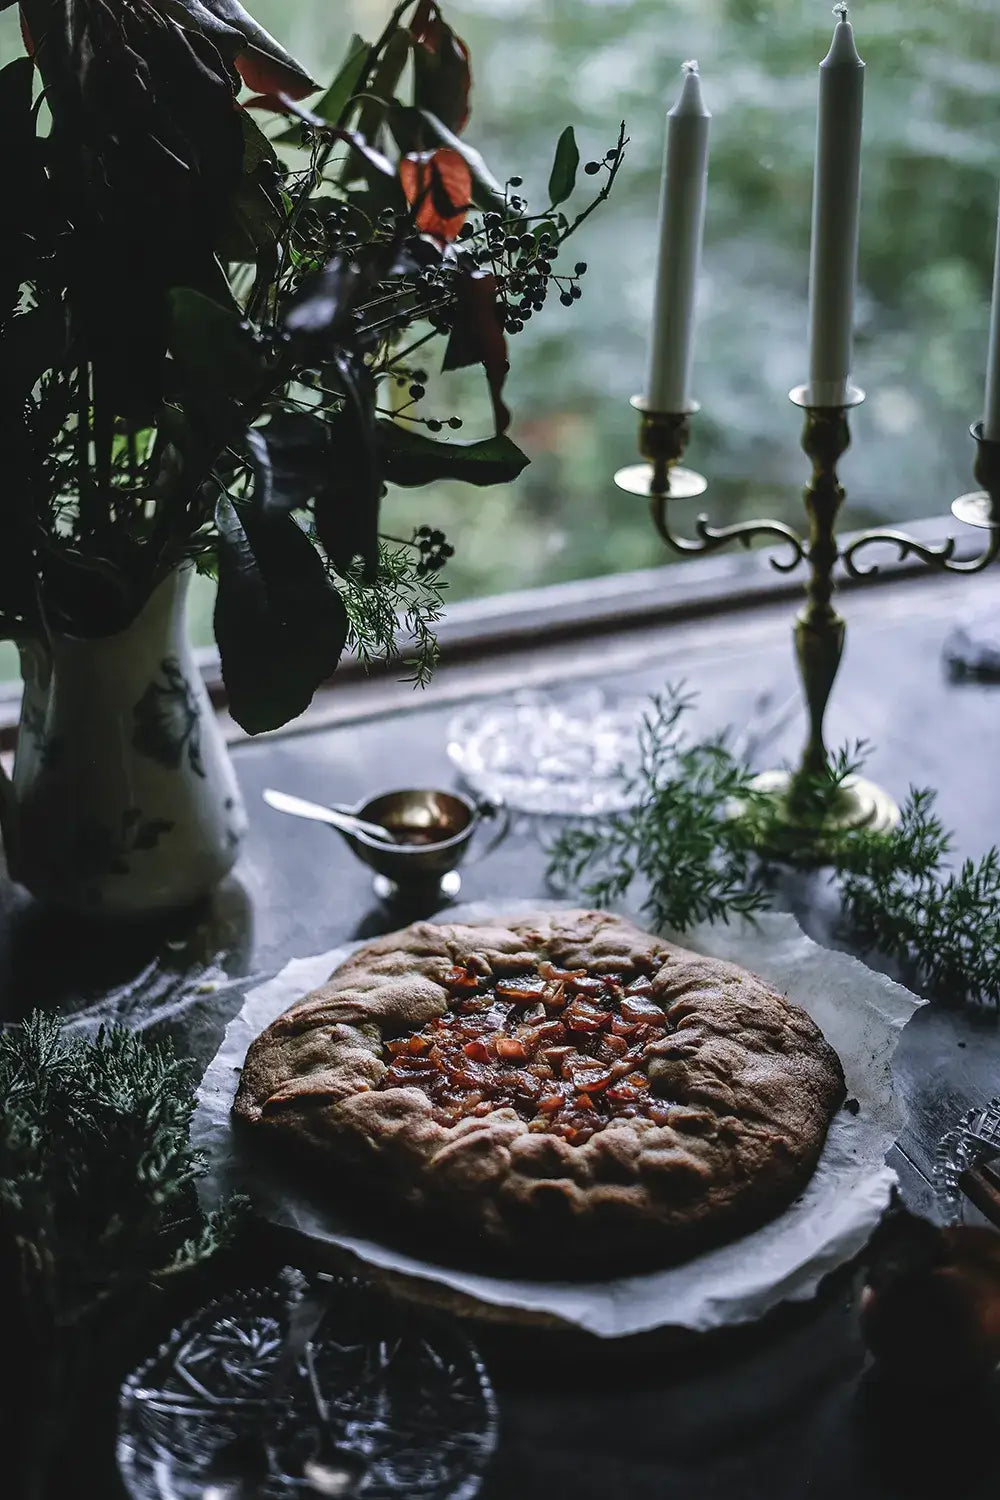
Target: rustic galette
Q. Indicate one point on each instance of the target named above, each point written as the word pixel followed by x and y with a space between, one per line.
pixel 565 1089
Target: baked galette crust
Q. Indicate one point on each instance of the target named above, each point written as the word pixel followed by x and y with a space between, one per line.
pixel 713 1127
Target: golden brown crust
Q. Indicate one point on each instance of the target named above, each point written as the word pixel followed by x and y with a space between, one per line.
pixel 750 1082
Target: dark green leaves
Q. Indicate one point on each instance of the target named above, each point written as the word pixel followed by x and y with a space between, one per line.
pixel 341 90
pixel 280 624
pixel 321 308
pixel 257 149
pixel 356 139
pixel 347 508
pixel 256 215
pixel 292 461
pixel 562 180
pixel 411 459
pixel 263 63
pixel 215 351
pixel 332 107
pixel 382 86
pixel 331 463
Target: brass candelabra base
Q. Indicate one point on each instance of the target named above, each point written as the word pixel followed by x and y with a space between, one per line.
pixel 807 835
pixel 808 809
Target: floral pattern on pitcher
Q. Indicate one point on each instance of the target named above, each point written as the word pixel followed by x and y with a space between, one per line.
pixel 103 852
pixel 167 720
pixel 50 749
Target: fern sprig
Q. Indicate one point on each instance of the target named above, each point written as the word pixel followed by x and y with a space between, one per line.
pixel 681 847
pixel 676 838
pixel 902 898
pixel 396 619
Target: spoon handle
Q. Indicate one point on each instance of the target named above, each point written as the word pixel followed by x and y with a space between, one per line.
pixel 298 807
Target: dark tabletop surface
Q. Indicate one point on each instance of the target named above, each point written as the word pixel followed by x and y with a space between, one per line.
pixel 783 1410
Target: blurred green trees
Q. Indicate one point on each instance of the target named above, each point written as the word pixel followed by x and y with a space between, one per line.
pixel 931 175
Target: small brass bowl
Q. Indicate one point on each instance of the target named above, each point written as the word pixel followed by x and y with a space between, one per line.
pixel 434 830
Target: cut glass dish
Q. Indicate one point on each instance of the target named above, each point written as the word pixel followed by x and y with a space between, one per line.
pixel 550 754
pixel 976 1138
pixel 403 1392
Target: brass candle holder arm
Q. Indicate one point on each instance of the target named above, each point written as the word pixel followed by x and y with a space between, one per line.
pixel 663 440
pixel 979 508
pixel 941 558
pixel 710 538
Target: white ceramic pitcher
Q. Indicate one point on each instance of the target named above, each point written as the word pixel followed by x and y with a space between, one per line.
pixel 123 801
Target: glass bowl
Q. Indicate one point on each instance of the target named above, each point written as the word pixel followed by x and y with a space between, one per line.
pixel 404 1392
pixel 563 753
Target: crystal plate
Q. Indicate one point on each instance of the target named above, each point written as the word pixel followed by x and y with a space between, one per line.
pixel 405 1392
pixel 550 754
pixel 975 1138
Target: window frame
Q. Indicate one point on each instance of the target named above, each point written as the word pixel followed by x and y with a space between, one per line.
pixel 477 629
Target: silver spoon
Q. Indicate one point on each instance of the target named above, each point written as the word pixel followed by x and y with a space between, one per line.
pixel 344 821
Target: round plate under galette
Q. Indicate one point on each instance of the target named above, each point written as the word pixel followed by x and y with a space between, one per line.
pixel 559 1090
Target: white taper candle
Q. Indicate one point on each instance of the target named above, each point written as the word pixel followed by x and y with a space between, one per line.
pixel 682 222
pixel 836 201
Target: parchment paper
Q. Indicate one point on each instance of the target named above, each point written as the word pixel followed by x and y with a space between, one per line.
pixel 861 1013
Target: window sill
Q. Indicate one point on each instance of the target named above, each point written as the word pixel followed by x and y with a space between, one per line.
pixel 478 628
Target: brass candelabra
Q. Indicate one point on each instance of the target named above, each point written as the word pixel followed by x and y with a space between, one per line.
pixel 803 822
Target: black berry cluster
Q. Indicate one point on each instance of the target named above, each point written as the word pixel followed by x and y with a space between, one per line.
pixel 434 550
pixel 416 383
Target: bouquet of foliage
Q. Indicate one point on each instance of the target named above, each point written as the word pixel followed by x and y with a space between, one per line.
pixel 209 326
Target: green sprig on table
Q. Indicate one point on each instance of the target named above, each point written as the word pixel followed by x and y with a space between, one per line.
pixel 685 846
pixel 97 1174
pixel 98 1218
pixel 672 839
pixel 902 897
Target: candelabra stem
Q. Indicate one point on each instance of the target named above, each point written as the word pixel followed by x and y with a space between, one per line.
pixel 819 629
pixel 807 809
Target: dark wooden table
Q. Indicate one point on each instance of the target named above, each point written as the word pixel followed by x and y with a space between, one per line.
pixel 783 1410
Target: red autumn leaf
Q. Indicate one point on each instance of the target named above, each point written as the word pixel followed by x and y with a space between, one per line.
pixel 269 75
pixel 443 78
pixel 271 102
pixel 477 338
pixel 29 45
pixel 427 25
pixel 439 184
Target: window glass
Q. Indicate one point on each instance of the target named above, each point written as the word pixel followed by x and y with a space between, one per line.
pixel 930 180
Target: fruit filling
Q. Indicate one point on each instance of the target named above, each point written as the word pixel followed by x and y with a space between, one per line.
pixel 564 1048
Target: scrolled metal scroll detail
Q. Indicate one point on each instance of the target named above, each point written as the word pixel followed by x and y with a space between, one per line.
pixel 941 557
pixel 711 538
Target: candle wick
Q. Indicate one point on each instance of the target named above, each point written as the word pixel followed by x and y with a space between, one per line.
pixel 690 66
pixel 840 10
